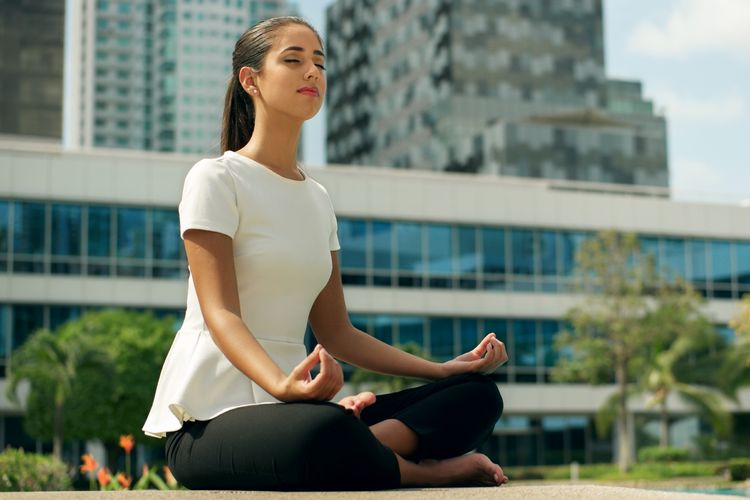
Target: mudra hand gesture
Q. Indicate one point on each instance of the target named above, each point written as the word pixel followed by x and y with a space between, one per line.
pixel 476 360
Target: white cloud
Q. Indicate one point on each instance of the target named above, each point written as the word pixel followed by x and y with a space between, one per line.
pixel 716 26
pixel 721 108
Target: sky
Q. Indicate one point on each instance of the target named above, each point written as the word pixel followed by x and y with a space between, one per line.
pixel 693 59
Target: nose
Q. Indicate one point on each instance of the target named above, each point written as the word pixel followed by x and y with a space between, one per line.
pixel 313 72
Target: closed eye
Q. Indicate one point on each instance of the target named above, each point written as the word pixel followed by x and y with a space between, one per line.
pixel 297 60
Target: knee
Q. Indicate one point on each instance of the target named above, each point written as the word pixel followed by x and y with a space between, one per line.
pixel 486 396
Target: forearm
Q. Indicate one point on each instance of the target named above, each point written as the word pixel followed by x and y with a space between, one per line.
pixel 243 350
pixel 360 349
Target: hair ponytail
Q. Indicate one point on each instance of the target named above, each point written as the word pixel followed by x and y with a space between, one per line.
pixel 238 120
pixel 239 117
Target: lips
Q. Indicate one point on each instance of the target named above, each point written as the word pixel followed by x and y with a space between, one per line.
pixel 311 91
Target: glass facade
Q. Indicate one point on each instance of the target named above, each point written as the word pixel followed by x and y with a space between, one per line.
pixel 89 239
pixel 426 255
pixel 144 242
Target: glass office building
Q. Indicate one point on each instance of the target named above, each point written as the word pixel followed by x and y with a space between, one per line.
pixel 499 87
pixel 436 260
pixel 151 75
pixel 31 68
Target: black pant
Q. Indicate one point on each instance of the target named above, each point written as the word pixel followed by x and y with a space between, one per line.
pixel 321 446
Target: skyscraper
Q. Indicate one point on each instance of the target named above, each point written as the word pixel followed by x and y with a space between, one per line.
pixel 501 86
pixel 151 75
pixel 31 67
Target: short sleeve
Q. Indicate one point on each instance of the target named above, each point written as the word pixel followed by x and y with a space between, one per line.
pixel 209 199
pixel 333 239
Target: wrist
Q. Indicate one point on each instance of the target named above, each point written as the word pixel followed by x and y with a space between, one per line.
pixel 281 388
pixel 441 371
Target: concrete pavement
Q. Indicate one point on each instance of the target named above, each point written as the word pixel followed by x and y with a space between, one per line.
pixel 524 492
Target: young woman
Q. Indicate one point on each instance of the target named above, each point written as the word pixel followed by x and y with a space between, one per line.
pixel 235 398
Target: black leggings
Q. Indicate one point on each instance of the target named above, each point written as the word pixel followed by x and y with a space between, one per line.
pixel 321 446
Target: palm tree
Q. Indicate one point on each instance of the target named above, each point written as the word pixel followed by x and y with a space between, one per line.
pixel 50 363
pixel 685 334
pixel 735 372
pixel 662 379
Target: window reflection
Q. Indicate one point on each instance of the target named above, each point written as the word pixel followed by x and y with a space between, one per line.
pixel 523 256
pixel 439 256
pixel 493 258
pixel 4 234
pixel 441 338
pixel 409 254
pixel 674 259
pixel 410 330
pixel 28 237
pixel 466 262
pixel 524 338
pixel 131 241
pixel 66 239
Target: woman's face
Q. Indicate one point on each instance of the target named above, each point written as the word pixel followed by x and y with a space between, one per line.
pixel 292 80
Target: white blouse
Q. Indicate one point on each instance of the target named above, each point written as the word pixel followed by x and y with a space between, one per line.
pixel 283 232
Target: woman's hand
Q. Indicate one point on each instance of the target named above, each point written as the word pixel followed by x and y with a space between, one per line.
pixel 473 361
pixel 299 384
pixel 358 402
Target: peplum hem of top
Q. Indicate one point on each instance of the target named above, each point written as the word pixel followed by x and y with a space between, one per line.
pixel 197 382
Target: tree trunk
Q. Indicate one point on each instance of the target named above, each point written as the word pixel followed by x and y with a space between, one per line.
pixel 664 425
pixel 623 436
pixel 57 432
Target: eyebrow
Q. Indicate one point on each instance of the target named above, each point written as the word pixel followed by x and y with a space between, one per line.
pixel 300 49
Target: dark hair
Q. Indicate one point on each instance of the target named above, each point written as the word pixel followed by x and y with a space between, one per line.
pixel 250 50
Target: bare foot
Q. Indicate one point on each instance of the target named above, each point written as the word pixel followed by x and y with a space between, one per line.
pixel 358 402
pixel 475 469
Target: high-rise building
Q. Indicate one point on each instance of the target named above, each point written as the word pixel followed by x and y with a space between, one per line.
pixel 151 75
pixel 501 86
pixel 31 67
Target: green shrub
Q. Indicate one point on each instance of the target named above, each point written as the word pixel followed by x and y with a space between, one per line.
pixel 21 471
pixel 659 454
pixel 739 469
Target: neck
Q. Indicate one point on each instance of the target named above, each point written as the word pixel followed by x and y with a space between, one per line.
pixel 274 142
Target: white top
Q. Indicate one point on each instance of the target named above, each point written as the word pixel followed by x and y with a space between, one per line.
pixel 283 232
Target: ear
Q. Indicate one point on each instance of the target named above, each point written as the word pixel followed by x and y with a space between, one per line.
pixel 246 77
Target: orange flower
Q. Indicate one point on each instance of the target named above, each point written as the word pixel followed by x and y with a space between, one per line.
pixel 89 464
pixel 169 477
pixel 127 443
pixel 145 470
pixel 124 480
pixel 104 477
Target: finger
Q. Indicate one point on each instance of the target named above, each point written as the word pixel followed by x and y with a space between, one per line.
pixel 482 347
pixel 330 371
pixel 500 356
pixel 367 398
pixel 338 381
pixel 498 352
pixel 310 361
pixel 503 352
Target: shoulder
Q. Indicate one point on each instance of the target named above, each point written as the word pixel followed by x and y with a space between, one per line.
pixel 317 186
pixel 211 170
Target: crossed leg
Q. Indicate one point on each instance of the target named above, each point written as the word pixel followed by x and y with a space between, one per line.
pixel 453 467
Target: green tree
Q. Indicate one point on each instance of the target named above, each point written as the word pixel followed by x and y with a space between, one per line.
pixel 104 399
pixel 607 340
pixel 51 363
pixel 379 382
pixel 678 320
pixel 735 372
